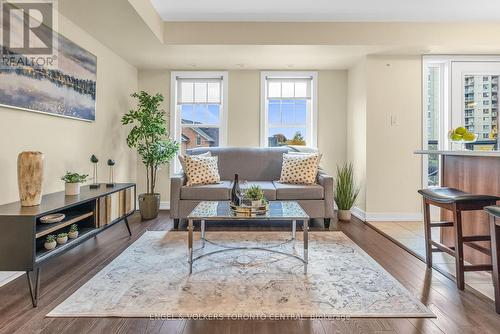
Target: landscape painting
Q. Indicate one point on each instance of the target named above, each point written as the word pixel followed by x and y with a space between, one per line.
pixel 67 88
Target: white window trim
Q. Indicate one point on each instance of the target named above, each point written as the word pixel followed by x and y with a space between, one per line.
pixel 175 117
pixel 443 111
pixel 312 121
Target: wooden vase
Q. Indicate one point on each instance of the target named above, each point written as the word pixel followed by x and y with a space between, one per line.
pixel 30 177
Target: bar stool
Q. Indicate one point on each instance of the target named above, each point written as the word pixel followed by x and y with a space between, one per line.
pixel 456 201
pixel 494 212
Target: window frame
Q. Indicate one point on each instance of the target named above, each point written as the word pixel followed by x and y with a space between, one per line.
pixel 312 105
pixel 175 114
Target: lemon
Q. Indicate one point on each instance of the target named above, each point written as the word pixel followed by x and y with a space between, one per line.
pixel 460 130
pixel 468 136
pixel 456 137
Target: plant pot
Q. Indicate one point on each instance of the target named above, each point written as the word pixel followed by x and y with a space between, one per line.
pixel 72 189
pixel 257 203
pixel 344 214
pixel 62 241
pixel 149 205
pixel 73 235
pixel 50 245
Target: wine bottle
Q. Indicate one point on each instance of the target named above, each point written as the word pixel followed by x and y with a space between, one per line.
pixel 236 192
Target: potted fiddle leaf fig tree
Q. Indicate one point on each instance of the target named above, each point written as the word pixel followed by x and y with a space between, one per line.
pixel 345 192
pixel 149 136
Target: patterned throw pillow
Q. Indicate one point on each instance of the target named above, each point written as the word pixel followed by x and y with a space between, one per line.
pixel 201 170
pixel 299 168
pixel 182 158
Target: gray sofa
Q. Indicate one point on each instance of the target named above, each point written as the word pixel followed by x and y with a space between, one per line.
pixel 260 166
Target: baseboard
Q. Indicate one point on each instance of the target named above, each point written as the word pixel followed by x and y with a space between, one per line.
pixel 386 216
pixel 358 213
pixel 165 205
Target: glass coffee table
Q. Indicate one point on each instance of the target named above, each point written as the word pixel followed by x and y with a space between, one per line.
pixel 221 211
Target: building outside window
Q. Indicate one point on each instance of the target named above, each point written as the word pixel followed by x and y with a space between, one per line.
pixel 481 100
pixel 199 109
pixel 288 109
pixel 433 85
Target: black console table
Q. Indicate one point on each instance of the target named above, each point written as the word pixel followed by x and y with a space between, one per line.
pixel 22 236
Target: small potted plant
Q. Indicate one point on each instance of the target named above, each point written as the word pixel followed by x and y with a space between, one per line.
pixel 73 180
pixel 73 231
pixel 255 194
pixel 62 238
pixel 50 242
pixel 346 192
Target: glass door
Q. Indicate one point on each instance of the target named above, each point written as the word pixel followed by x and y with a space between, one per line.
pixel 474 102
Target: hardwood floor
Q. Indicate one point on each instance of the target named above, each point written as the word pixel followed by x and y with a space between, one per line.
pixel 457 311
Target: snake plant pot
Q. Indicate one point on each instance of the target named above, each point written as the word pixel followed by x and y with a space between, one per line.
pixel 344 214
pixel 50 245
pixel 72 189
pixel 149 205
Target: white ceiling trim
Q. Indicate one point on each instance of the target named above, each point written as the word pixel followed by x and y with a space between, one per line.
pixel 329 10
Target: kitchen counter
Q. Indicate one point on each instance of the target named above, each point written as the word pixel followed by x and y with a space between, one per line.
pixel 461 153
pixel 477 172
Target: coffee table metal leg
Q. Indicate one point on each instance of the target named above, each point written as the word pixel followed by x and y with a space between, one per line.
pixel 203 233
pixel 306 244
pixel 294 228
pixel 190 245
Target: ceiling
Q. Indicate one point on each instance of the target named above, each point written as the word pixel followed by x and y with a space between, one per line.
pixel 328 10
pixel 246 57
pixel 267 46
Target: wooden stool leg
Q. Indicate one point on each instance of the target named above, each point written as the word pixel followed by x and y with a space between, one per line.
pixel 495 259
pixel 459 248
pixel 428 234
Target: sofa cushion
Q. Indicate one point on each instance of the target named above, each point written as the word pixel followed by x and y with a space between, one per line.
pixel 266 186
pixel 209 192
pixel 299 168
pixel 298 191
pixel 263 164
pixel 201 170
pixel 183 162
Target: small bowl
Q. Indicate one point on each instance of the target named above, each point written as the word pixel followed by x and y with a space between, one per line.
pixel 52 218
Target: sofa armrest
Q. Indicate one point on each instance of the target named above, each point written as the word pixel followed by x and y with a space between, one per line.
pixel 326 181
pixel 176 183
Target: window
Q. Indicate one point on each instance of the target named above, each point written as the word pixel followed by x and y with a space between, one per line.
pixel 199 109
pixel 433 109
pixel 288 110
pixel 474 117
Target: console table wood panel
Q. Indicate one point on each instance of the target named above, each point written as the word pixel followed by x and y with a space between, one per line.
pixel 22 235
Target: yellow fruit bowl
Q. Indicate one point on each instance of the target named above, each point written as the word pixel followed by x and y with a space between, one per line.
pixel 462 135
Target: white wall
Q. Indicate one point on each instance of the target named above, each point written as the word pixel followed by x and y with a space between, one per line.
pixel 393 170
pixel 356 127
pixel 382 89
pixel 68 144
pixel 244 115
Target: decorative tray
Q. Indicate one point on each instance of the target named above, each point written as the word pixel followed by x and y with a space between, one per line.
pixel 245 210
pixel 52 218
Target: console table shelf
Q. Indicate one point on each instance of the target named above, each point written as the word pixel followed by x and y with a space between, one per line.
pixel 93 211
pixel 45 229
pixel 84 234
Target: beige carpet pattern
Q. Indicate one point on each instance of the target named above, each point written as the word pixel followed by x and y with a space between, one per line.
pixel 150 278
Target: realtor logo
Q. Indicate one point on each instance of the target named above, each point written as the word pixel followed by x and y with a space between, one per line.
pixel 28 32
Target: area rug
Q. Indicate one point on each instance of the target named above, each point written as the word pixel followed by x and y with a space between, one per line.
pixel 150 279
